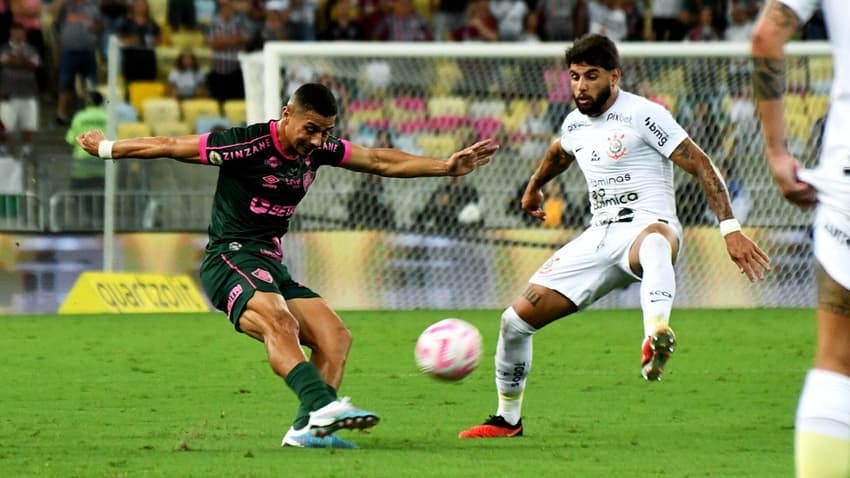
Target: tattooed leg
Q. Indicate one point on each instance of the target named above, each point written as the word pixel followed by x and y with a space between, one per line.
pixel 833 318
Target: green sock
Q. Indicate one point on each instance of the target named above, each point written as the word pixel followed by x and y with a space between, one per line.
pixel 303 414
pixel 312 391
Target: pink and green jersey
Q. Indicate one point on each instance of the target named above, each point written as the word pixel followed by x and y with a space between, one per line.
pixel 259 186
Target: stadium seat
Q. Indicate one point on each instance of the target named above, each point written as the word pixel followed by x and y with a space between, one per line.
pixel 125 113
pixel 188 40
pixel 158 10
pixel 365 105
pixel 412 126
pixel 821 72
pixel 447 106
pixel 447 74
pixel 487 108
pixel 438 145
pixel 794 104
pixel 405 108
pixel 205 124
pixel 670 101
pixel 133 130
pixel 160 110
pixel 448 123
pixel 411 103
pixel 360 113
pixel 139 91
pixel 171 128
pixel 798 125
pixel 194 108
pixel 671 81
pixel 817 105
pixel 234 110
pixel 517 111
pixel 487 127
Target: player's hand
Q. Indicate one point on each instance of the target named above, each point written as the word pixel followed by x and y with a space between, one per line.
pixel 468 159
pixel 532 202
pixel 90 140
pixel 784 168
pixel 747 255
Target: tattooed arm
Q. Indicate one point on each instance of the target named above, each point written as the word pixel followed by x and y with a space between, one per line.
pixel 775 27
pixel 746 254
pixel 692 159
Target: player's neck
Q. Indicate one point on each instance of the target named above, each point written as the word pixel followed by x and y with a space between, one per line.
pixel 285 145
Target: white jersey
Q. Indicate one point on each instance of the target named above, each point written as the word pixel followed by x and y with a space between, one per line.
pixel 623 154
pixel 832 176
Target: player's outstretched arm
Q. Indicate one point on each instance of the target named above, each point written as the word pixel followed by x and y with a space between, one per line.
pixel 396 163
pixel 181 148
pixel 746 254
pixel 775 26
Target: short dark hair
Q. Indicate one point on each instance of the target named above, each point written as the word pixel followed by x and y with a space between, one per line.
pixel 315 97
pixel 594 49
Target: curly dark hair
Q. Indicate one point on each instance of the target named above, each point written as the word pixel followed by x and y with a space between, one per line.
pixel 594 49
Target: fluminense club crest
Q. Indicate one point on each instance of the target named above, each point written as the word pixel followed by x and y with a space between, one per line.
pixel 263 275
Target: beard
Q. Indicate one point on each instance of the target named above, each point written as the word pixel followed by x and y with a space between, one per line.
pixel 595 106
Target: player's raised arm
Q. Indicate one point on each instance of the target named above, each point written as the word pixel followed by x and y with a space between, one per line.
pixel 181 148
pixel 745 253
pixel 396 163
pixel 555 162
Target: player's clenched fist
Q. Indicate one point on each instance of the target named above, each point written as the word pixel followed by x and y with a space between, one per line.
pixel 90 140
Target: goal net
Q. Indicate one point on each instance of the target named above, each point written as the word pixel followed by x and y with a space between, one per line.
pixel 465 243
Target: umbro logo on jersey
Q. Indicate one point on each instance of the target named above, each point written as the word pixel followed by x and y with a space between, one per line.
pixel 270 181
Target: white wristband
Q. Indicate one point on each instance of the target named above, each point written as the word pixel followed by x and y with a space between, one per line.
pixel 728 226
pixel 104 149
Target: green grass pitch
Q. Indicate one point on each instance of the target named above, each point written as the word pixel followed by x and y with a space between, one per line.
pixel 185 396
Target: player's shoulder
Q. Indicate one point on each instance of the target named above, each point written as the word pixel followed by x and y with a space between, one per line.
pixel 640 103
pixel 574 120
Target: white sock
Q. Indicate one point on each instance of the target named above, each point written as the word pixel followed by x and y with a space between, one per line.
pixel 658 285
pixel 822 428
pixel 513 362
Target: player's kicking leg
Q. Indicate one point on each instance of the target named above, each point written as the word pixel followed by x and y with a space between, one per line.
pixel 537 307
pixel 304 439
pixel 325 334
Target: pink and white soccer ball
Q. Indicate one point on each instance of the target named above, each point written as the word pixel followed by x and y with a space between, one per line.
pixel 449 349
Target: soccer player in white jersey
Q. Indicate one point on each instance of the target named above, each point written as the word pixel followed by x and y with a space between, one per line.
pixel 822 431
pixel 626 147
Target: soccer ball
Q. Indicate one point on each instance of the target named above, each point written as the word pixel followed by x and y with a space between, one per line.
pixel 449 349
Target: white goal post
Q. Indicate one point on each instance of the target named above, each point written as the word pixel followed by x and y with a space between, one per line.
pixel 434 97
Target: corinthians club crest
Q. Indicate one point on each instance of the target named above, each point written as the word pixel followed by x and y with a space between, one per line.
pixel 616 148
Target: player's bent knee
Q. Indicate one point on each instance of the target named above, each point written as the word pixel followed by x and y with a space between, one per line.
pixel 267 315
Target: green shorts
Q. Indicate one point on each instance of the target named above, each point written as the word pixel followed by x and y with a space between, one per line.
pixel 230 279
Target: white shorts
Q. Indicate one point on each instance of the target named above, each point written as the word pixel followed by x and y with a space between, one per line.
pixel 596 262
pixel 832 243
pixel 19 114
